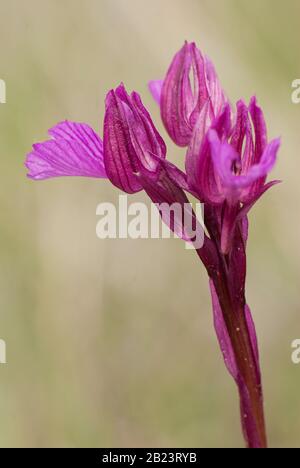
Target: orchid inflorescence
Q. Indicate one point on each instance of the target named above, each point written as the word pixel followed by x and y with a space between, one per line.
pixel 228 158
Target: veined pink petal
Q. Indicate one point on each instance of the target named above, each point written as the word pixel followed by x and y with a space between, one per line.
pixel 265 165
pixel 75 150
pixel 224 157
pixel 240 187
pixel 200 169
pixel 241 139
pixel 260 129
pixel 120 168
pixel 182 98
pixel 193 151
pixel 216 93
pixel 261 139
pixel 191 83
pixel 155 88
pixel 131 141
pixel 148 138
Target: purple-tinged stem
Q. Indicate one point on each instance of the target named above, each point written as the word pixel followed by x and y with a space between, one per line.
pixel 233 323
pixel 248 374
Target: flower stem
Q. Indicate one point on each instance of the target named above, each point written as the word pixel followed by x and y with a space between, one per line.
pixel 249 380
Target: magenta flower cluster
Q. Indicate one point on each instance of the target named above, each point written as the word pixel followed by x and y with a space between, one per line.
pixel 228 158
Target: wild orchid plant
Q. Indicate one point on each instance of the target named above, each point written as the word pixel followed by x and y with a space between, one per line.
pixel 227 161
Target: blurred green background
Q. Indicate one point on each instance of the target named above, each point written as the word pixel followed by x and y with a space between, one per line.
pixel 111 343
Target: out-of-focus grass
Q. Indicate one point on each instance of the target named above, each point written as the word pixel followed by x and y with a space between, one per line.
pixel 110 343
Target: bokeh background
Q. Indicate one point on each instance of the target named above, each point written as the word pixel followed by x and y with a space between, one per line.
pixel 111 343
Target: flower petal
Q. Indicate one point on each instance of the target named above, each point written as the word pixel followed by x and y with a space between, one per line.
pixel 193 152
pixel 260 129
pixel 131 142
pixel 182 98
pixel 243 131
pixel 224 157
pixel 216 93
pixel 266 163
pixel 200 169
pixel 148 138
pixel 75 150
pixel 155 88
pixel 240 187
pixel 120 167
